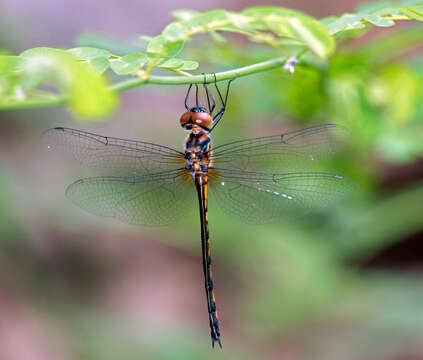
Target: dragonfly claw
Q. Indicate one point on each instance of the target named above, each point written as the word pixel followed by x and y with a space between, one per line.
pixel 214 339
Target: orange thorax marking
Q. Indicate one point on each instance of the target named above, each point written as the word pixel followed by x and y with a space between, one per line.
pixel 197 152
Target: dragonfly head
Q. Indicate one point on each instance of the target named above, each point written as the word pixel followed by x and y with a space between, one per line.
pixel 196 116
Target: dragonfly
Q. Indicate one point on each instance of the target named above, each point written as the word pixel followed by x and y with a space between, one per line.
pixel 258 180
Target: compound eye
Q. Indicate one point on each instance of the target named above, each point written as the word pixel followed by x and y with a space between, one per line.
pixel 202 119
pixel 190 118
pixel 186 118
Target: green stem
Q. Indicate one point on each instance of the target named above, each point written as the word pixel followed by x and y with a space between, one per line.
pixel 155 79
pixel 199 79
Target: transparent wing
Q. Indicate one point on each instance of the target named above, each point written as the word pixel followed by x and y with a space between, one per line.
pixel 264 198
pixel 111 155
pixel 292 151
pixel 158 199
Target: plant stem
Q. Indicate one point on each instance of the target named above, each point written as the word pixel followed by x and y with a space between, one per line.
pixel 199 79
pixel 155 79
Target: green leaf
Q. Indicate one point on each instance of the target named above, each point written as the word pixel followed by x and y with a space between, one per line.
pixel 315 38
pixel 90 96
pixel 129 63
pixel 173 63
pixel 178 64
pixel 381 13
pixel 87 53
pixel 39 64
pixel 412 13
pixel 8 64
pixel 295 25
pixel 211 20
pixel 146 38
pixel 99 64
pixel 97 58
pixel 253 22
pixel 378 20
pixel 162 47
pixel 184 14
pixel 189 65
pixel 41 51
pixel 239 21
pixel 175 31
pixel 88 93
pixel 345 22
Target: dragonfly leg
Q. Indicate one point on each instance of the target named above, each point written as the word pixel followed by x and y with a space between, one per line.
pixel 186 97
pixel 209 95
pixel 219 114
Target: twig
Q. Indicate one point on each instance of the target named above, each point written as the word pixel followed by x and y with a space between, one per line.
pixel 154 79
pixel 199 79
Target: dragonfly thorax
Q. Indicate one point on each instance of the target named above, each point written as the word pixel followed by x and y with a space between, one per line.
pixel 197 151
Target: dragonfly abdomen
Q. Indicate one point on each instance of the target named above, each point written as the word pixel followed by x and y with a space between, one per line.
pixel 201 183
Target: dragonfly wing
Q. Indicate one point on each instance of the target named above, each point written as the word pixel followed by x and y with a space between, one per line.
pixel 266 198
pixel 110 155
pixel 148 200
pixel 293 151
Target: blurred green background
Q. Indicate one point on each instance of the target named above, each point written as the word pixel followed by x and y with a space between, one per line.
pixel 343 284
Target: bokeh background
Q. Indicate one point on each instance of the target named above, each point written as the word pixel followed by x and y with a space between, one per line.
pixel 343 284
